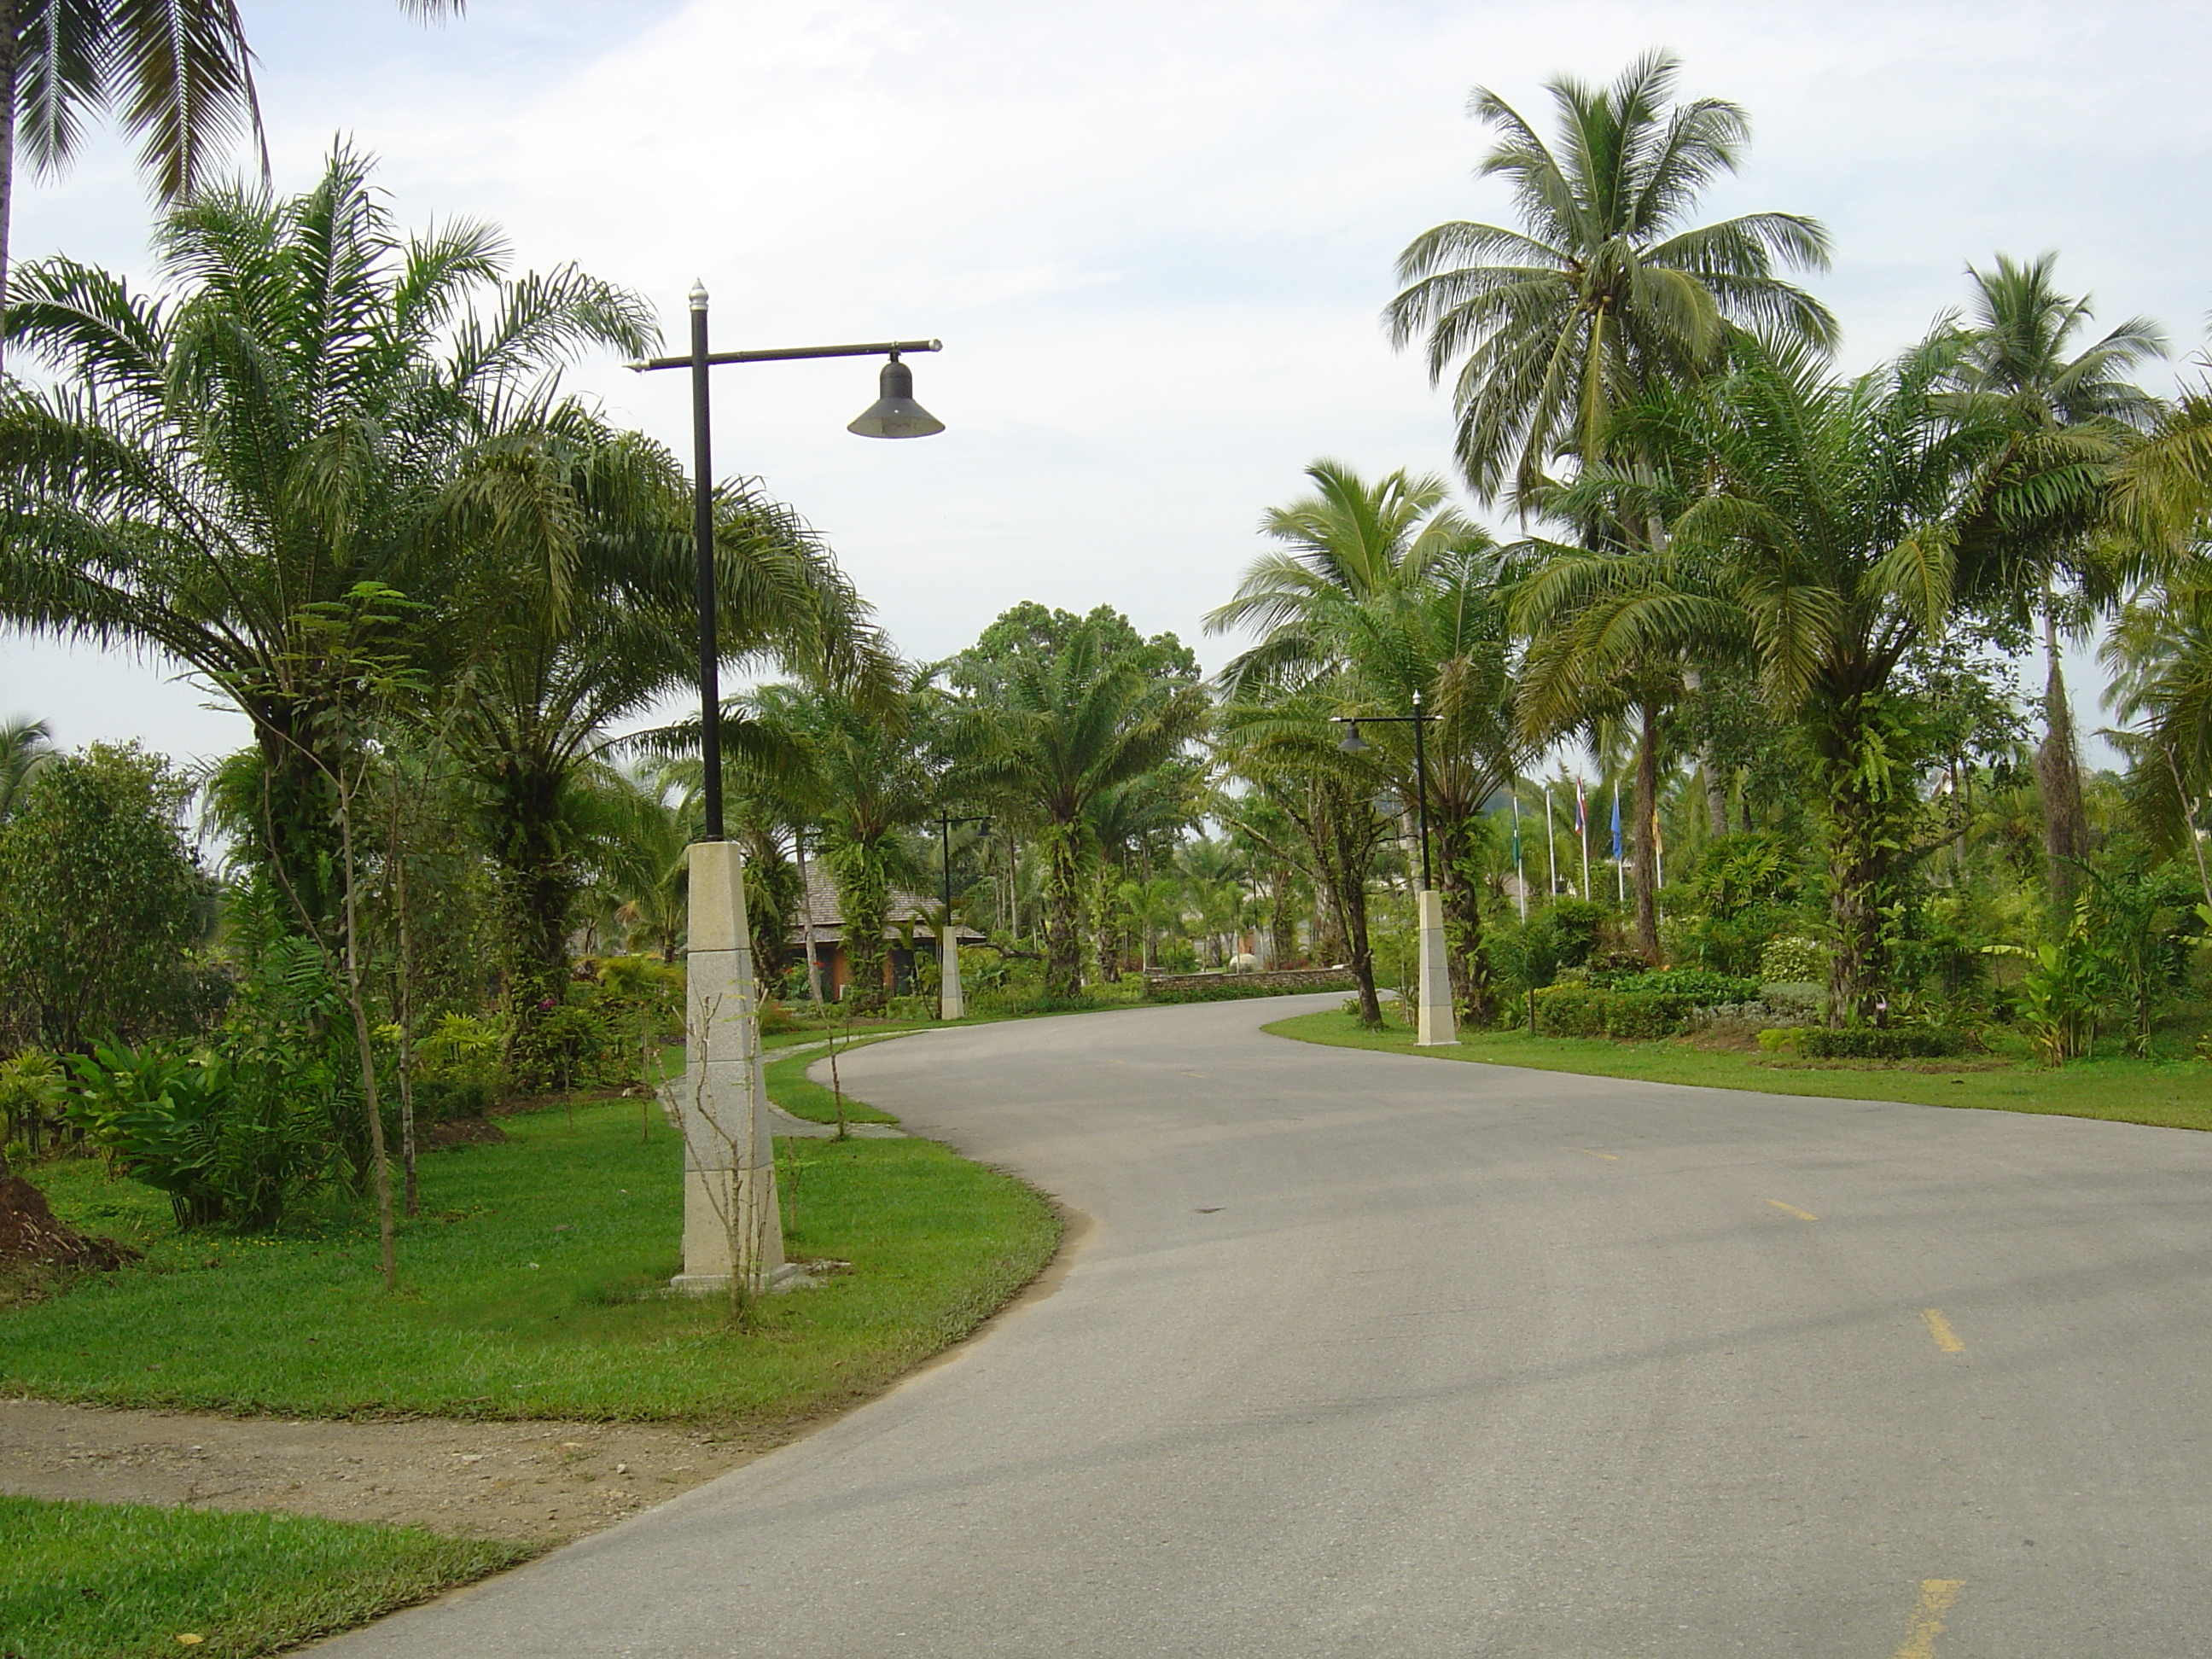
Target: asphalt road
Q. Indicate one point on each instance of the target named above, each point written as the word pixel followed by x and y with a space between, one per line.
pixel 1370 1355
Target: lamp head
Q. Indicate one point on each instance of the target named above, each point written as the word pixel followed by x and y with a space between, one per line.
pixel 894 414
pixel 1353 743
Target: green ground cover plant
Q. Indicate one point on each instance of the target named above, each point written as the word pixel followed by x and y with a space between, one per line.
pixel 529 1287
pixel 117 1580
pixel 2171 1093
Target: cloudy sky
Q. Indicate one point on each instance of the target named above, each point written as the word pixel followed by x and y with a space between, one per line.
pixel 1154 235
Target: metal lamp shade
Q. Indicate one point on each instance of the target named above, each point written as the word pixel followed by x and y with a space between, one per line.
pixel 1353 743
pixel 896 414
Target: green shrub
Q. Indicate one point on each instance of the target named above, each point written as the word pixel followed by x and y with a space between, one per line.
pixel 225 1141
pixel 1694 986
pixel 439 1099
pixel 1646 1014
pixel 1571 1011
pixel 1792 959
pixel 1883 1043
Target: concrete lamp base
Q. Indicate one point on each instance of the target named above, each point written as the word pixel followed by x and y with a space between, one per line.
pixel 731 1223
pixel 1435 1026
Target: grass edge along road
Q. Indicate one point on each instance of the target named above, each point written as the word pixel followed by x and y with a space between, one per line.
pixel 2167 1093
pixel 531 1288
pixel 120 1580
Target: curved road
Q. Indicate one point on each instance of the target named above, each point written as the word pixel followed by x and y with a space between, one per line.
pixel 1370 1355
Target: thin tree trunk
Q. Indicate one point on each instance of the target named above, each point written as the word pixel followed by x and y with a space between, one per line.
pixel 1709 771
pixel 2058 774
pixel 1646 850
pixel 405 1010
pixel 10 31
pixel 381 1162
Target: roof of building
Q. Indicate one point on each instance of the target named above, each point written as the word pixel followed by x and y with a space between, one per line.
pixel 822 908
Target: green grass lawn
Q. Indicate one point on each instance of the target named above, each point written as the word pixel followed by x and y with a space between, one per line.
pixel 789 1087
pixel 117 1580
pixel 529 1287
pixel 2172 1093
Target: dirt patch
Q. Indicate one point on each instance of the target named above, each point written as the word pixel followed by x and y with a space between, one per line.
pixel 30 1235
pixel 539 1482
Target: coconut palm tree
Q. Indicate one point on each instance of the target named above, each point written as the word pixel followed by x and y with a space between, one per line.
pixel 2068 411
pixel 318 404
pixel 1608 284
pixel 1384 592
pixel 178 73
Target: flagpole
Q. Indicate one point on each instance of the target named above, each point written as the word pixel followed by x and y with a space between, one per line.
pixel 1582 830
pixel 1520 879
pixel 1551 847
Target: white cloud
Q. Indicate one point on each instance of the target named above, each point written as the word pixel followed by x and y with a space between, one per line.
pixel 1154 236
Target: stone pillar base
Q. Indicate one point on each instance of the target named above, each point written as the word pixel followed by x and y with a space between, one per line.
pixel 1435 1024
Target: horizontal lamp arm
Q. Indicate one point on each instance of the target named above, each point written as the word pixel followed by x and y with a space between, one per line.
pixel 787 354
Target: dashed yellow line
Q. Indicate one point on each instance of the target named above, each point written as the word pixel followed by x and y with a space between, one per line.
pixel 1946 1339
pixel 1937 1596
pixel 1610 1158
pixel 1791 1209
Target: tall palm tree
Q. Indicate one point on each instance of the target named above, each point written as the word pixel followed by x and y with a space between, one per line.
pixel 178 73
pixel 1384 592
pixel 1281 745
pixel 2019 336
pixel 1061 729
pixel 319 403
pixel 1608 284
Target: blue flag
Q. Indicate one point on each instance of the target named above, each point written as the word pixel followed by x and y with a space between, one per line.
pixel 1616 823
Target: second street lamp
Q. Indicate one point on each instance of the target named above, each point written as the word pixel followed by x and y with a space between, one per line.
pixel 732 1232
pixel 951 1000
pixel 1435 1026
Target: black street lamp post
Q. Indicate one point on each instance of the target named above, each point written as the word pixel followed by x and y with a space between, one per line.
pixel 952 1003
pixel 1354 744
pixel 732 1229
pixel 893 415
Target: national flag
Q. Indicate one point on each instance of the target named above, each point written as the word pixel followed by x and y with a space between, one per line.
pixel 1582 811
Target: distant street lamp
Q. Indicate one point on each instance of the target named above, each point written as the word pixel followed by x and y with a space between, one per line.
pixel 952 1002
pixel 732 1232
pixel 1435 1026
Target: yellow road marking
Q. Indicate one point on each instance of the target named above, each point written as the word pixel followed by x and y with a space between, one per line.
pixel 1946 1338
pixel 1936 1595
pixel 1791 1209
pixel 1610 1158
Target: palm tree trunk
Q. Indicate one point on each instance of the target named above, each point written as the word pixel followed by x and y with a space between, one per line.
pixel 1063 914
pixel 2058 774
pixel 863 903
pixel 1646 850
pixel 1470 968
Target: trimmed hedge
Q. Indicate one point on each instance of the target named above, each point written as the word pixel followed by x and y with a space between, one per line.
pixel 1587 1010
pixel 1882 1042
pixel 1230 991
